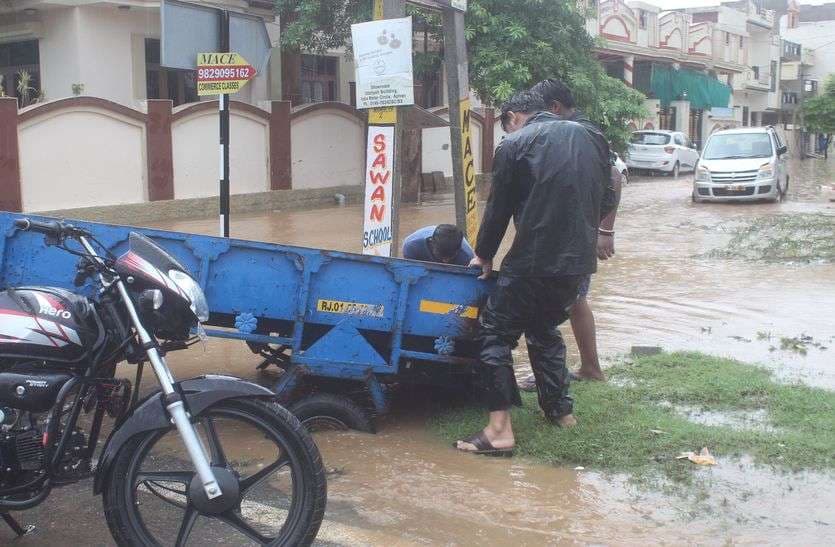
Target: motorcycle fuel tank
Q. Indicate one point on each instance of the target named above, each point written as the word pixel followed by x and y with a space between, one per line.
pixel 45 323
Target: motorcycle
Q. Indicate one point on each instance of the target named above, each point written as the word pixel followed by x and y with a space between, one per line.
pixel 196 455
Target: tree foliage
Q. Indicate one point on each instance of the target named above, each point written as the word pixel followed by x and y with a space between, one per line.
pixel 819 112
pixel 319 25
pixel 512 45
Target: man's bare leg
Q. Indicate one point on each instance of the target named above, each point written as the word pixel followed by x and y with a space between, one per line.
pixel 585 332
pixel 498 431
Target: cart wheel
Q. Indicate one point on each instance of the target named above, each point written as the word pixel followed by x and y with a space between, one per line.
pixel 331 412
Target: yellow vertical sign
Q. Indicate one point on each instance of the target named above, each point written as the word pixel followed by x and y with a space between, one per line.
pixel 378 9
pixel 470 195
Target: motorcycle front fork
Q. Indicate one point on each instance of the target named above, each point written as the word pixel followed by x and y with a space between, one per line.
pixel 173 401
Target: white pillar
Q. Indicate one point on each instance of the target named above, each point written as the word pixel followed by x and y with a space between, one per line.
pixel 629 70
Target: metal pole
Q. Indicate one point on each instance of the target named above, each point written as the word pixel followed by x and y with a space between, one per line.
pixel 394 9
pixel 223 106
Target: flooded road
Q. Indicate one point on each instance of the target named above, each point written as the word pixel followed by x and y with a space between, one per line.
pixel 657 290
pixel 404 487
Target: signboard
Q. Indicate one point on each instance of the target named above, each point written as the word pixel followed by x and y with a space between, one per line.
pixel 460 5
pixel 383 59
pixel 379 173
pixel 382 116
pixel 188 29
pixel 470 194
pixel 222 73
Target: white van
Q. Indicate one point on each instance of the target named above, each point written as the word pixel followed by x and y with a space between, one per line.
pixel 745 164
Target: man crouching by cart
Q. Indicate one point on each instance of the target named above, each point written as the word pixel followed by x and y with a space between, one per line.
pixel 547 176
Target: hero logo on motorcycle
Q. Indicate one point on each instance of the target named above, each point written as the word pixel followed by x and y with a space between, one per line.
pixel 49 310
pixel 51 307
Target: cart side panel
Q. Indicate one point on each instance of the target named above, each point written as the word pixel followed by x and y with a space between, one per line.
pixel 257 281
pixel 360 293
pixel 445 303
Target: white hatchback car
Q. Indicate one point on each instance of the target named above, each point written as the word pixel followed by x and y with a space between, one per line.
pixel 661 151
pixel 744 164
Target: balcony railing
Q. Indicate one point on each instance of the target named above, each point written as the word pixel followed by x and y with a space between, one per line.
pixel 761 81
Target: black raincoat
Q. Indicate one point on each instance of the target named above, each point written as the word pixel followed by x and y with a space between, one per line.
pixel 553 178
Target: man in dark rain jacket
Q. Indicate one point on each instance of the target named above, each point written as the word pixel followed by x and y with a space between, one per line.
pixel 548 175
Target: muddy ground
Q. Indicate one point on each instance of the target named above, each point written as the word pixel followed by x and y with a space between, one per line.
pixel 404 487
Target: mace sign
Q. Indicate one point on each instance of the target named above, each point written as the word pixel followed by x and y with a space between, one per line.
pixel 383 59
pixel 222 73
pixel 379 173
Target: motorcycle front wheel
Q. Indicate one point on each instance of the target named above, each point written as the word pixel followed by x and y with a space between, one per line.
pixel 260 453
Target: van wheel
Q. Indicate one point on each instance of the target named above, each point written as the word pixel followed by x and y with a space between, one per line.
pixel 331 412
pixel 676 169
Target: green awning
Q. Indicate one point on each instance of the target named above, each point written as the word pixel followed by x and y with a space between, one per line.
pixel 701 90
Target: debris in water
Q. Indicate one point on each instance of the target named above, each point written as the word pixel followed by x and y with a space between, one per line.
pixel 702 458
pixel 740 339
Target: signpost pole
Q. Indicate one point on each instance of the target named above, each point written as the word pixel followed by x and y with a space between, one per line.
pixel 393 9
pixel 223 105
pixel 458 90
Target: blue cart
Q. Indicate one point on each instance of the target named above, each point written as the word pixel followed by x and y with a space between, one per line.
pixel 336 323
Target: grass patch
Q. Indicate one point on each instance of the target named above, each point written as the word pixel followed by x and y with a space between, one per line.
pixel 630 424
pixel 783 238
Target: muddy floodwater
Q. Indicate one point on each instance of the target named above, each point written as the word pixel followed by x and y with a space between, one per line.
pixel 404 487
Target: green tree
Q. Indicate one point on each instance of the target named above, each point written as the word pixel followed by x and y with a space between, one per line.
pixel 512 45
pixel 819 112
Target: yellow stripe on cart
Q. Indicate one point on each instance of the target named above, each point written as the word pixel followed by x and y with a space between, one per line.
pixel 445 308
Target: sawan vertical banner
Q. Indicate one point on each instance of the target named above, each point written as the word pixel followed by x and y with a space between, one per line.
pixel 379 173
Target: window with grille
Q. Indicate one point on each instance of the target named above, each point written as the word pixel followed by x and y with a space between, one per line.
pixel 180 86
pixel 319 78
pixel 20 69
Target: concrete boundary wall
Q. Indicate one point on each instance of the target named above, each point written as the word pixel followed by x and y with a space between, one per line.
pixel 82 154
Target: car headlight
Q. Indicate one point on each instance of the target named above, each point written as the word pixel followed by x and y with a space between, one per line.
pixel 702 174
pixel 766 172
pixel 195 294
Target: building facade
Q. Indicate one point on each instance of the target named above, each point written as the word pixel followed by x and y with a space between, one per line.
pixel 106 49
pixel 695 53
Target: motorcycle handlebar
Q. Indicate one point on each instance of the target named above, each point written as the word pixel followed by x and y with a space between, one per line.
pixel 50 228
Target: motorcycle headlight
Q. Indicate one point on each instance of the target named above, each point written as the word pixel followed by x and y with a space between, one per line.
pixel 702 174
pixel 189 286
pixel 766 172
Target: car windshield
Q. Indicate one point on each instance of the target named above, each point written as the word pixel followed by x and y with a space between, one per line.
pixel 650 138
pixel 737 146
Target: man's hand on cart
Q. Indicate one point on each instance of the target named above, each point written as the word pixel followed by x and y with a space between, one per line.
pixel 485 265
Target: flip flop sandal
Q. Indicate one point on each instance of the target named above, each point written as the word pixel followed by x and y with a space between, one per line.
pixel 484 447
